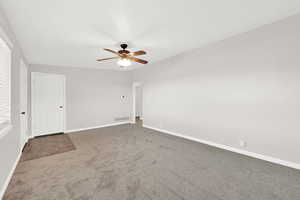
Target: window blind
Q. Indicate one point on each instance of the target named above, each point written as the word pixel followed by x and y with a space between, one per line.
pixel 5 62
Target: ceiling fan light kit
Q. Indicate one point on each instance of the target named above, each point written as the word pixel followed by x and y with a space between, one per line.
pixel 125 57
pixel 124 62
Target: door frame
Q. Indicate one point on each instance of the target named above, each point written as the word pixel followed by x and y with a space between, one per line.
pixel 26 136
pixel 36 74
pixel 134 87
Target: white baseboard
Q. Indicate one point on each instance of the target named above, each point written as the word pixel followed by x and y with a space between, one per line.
pixel 233 149
pixel 95 127
pixel 4 187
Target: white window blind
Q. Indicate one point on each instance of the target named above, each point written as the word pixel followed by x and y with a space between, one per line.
pixel 5 61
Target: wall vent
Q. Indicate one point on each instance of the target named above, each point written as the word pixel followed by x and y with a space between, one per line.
pixel 122 118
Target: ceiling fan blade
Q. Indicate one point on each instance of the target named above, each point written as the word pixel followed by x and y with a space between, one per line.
pixel 111 51
pixel 138 53
pixel 138 60
pixel 107 58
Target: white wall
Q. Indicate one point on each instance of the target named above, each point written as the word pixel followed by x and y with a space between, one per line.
pixel 10 143
pixel 93 96
pixel 245 87
pixel 139 101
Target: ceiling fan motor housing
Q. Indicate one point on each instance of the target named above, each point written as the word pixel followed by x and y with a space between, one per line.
pixel 124 51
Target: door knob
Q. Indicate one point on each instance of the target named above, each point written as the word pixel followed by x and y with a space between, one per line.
pixel 23 113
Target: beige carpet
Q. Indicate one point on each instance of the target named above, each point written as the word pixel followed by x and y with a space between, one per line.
pixel 47 146
pixel 129 162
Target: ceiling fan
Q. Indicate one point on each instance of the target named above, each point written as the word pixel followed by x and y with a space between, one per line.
pixel 125 57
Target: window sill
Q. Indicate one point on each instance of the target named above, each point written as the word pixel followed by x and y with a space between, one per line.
pixel 5 130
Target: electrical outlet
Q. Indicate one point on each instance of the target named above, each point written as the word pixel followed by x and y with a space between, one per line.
pixel 242 143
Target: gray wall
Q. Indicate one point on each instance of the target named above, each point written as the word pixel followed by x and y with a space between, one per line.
pixel 10 143
pixel 243 88
pixel 93 96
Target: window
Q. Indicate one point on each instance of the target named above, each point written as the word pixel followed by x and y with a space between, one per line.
pixel 5 61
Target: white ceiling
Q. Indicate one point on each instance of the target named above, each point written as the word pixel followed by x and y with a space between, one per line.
pixel 73 32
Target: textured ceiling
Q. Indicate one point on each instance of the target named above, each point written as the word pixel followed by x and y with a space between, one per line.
pixel 73 32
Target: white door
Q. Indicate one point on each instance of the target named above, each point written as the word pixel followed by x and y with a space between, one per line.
pixel 23 103
pixel 48 103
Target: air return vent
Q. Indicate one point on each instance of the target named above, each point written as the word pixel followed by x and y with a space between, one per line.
pixel 122 118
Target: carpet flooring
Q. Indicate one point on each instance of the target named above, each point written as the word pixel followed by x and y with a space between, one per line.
pixel 129 162
pixel 47 146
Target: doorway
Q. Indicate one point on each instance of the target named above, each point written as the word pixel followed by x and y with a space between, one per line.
pixel 138 103
pixel 23 104
pixel 48 103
